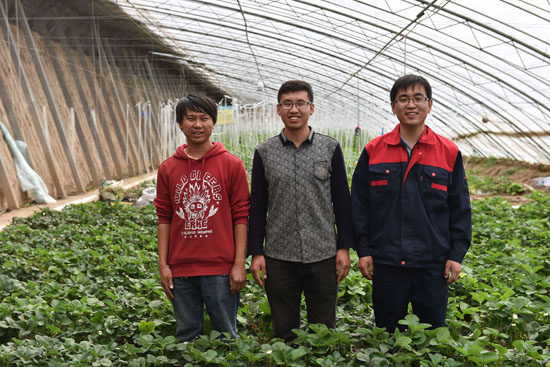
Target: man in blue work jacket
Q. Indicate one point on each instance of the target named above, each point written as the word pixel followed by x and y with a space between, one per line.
pixel 411 212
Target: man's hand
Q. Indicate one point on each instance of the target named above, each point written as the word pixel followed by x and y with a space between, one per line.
pixel 454 268
pixel 257 266
pixel 237 277
pixel 342 263
pixel 366 266
pixel 166 280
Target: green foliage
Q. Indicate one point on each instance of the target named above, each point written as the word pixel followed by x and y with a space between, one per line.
pixel 244 143
pixel 80 288
pixel 479 184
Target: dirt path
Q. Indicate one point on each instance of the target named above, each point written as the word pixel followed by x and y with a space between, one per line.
pixel 518 172
pixel 89 196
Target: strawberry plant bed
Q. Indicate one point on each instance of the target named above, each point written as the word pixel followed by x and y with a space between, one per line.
pixel 80 288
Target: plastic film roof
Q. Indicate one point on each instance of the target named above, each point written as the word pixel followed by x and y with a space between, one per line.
pixel 488 61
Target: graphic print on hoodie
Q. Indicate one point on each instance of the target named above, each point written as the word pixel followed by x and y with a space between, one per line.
pixel 197 198
pixel 202 200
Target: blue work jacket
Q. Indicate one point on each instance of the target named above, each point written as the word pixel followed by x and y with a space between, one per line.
pixel 415 211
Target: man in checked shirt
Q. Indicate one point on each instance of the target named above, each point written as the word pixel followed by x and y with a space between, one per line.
pixel 299 193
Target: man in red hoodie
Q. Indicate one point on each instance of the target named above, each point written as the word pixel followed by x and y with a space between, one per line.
pixel 202 208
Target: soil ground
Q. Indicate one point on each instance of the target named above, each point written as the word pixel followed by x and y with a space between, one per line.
pixel 518 172
pixel 88 196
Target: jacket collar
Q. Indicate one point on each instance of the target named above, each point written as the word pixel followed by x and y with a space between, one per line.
pixel 393 137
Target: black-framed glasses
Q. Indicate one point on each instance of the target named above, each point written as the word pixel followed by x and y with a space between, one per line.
pixel 301 105
pixel 403 101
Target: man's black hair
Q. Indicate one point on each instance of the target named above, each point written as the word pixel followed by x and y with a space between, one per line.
pixel 295 86
pixel 407 81
pixel 196 103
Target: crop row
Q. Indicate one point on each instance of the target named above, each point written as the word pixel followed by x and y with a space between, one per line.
pixel 80 288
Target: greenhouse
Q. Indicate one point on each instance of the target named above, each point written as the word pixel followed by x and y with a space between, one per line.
pixel 488 62
pixel 88 95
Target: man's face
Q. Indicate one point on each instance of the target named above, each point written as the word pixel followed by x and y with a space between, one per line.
pixel 197 127
pixel 409 112
pixel 295 118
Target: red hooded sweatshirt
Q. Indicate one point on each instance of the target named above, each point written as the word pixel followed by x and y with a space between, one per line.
pixel 202 200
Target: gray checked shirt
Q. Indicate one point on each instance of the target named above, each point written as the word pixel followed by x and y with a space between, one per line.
pixel 300 201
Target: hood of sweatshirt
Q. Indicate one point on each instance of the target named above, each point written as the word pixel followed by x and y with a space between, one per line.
pixel 216 149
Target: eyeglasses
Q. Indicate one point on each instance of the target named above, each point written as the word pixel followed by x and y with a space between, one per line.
pixel 403 101
pixel 299 105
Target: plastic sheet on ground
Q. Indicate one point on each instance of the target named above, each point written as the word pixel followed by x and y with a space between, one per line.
pixel 28 178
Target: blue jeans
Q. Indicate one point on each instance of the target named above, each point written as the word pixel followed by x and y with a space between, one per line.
pixel 191 294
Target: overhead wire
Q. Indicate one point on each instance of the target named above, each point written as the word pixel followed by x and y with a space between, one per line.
pixel 263 85
pixel 476 76
pixel 383 48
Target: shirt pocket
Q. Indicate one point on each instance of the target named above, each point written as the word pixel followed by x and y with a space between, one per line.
pixel 321 170
pixel 383 177
pixel 435 182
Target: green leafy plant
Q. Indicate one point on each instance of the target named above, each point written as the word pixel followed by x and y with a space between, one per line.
pixel 80 288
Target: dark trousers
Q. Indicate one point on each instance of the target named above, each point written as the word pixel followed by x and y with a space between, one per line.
pixel 394 287
pixel 284 285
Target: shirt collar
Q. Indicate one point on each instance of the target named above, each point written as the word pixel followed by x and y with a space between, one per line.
pixel 285 141
pixel 404 142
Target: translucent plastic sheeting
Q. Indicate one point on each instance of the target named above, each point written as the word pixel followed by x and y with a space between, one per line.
pixel 488 61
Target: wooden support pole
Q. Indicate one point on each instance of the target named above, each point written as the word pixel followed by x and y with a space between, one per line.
pixel 159 92
pixel 7 189
pixel 166 131
pixel 170 87
pixel 115 80
pixel 128 98
pixel 155 91
pixel 35 114
pixel 162 85
pixel 148 95
pixel 173 87
pixel 145 120
pixel 131 98
pixel 71 61
pixel 99 78
pixel 51 101
pixel 5 99
pixel 149 120
pixel 132 102
pixel 86 149
pixel 141 140
pixel 157 107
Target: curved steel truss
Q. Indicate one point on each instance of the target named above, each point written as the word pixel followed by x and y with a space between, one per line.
pixel 488 61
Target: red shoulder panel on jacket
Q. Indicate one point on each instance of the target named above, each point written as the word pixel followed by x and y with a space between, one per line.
pixel 381 152
pixel 441 154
